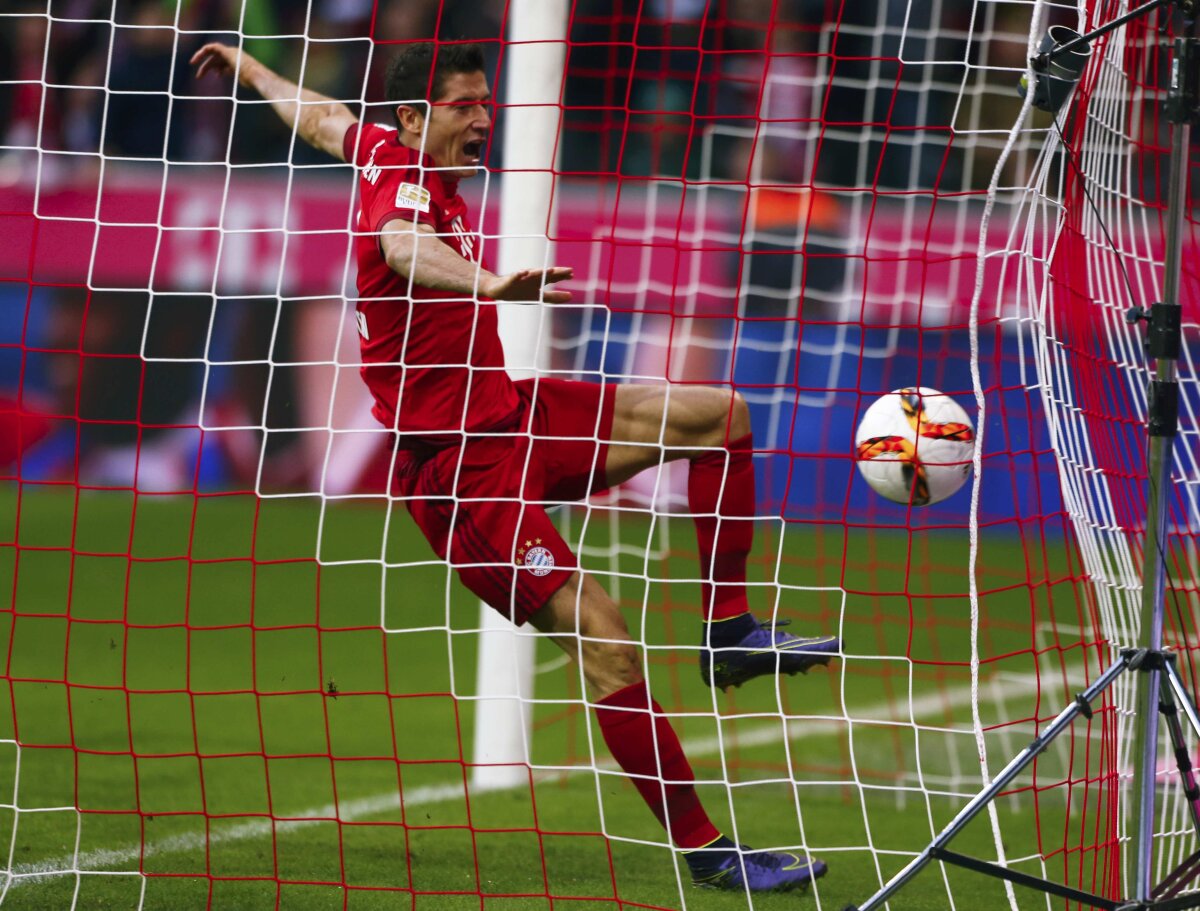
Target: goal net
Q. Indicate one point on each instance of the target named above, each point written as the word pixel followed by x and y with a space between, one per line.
pixel 235 673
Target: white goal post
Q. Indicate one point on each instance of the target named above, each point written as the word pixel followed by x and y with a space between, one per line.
pixel 533 67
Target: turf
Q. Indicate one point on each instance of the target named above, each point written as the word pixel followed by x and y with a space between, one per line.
pixel 238 720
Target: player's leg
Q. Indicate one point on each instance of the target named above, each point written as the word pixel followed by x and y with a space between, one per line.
pixel 585 622
pixel 588 626
pixel 489 541
pixel 711 428
pixel 640 426
pixel 478 507
pixel 588 436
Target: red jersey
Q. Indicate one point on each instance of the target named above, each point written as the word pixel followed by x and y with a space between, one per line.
pixel 434 364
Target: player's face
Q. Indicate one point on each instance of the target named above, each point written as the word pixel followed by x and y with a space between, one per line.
pixel 460 122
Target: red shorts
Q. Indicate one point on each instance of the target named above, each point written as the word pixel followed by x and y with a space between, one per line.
pixel 481 502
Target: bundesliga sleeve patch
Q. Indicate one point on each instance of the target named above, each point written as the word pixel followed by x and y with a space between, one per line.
pixel 412 196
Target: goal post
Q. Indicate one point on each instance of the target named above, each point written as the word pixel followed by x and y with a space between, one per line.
pixel 533 69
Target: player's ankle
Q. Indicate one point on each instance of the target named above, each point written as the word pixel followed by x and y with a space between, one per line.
pixel 702 859
pixel 727 631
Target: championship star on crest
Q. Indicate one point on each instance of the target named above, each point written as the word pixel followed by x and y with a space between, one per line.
pixel 528 544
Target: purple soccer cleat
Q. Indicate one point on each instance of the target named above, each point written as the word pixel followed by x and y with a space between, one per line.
pixel 765 650
pixel 756 871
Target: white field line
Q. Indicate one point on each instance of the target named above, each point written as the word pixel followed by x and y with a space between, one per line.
pixel 116 861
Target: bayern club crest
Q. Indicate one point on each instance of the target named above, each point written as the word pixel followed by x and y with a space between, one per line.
pixel 535 558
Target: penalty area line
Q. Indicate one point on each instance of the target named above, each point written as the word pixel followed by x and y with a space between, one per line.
pixel 109 861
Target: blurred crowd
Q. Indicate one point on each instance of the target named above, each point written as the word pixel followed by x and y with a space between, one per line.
pixel 154 109
pixel 648 82
pixel 644 78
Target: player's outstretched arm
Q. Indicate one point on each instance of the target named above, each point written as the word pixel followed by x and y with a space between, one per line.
pixel 422 257
pixel 318 120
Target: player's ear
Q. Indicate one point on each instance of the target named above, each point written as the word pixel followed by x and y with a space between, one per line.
pixel 410 118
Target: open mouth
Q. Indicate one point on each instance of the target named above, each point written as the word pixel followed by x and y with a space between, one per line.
pixel 472 150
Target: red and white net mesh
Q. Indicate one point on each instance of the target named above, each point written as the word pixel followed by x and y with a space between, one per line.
pixel 234 673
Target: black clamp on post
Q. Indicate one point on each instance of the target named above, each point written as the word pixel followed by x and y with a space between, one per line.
pixel 1164 329
pixel 1164 409
pixel 1183 92
pixel 1164 340
pixel 1056 69
pixel 1147 659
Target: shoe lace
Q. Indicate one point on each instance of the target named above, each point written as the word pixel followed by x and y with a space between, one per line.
pixel 771 628
pixel 772 625
pixel 764 860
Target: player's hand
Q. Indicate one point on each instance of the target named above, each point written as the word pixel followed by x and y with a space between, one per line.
pixel 219 58
pixel 527 285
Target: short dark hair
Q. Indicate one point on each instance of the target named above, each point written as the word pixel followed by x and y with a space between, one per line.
pixel 419 70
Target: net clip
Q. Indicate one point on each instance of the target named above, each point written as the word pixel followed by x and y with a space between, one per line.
pixel 1164 328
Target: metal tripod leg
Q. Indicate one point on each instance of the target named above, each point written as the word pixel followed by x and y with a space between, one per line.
pixel 1081 706
pixel 1182 699
pixel 1174 699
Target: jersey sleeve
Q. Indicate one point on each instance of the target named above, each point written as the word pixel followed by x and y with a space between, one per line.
pixel 360 138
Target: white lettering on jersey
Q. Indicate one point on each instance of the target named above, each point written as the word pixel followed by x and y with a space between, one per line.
pixel 372 171
pixel 412 196
pixel 362 326
pixel 466 240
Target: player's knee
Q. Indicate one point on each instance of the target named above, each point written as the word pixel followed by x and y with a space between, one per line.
pixel 729 417
pixel 739 417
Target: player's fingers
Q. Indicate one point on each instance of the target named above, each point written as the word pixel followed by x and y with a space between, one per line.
pixel 556 297
pixel 210 61
pixel 219 60
pixel 210 50
pixel 558 274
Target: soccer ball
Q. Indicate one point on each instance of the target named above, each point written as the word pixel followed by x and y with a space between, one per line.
pixel 915 446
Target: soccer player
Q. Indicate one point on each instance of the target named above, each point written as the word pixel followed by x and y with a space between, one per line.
pixel 476 453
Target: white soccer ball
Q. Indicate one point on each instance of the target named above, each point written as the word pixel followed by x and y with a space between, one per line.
pixel 915 446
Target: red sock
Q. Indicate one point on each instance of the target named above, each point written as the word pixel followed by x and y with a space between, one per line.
pixel 645 745
pixel 724 546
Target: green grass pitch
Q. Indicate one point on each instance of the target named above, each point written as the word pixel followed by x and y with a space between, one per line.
pixel 231 718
